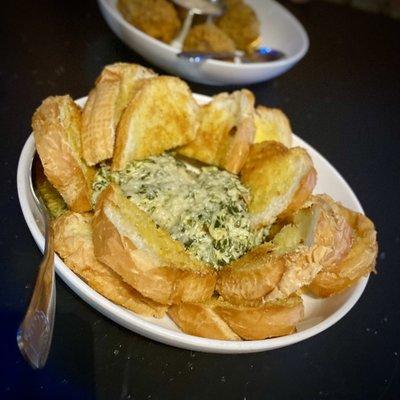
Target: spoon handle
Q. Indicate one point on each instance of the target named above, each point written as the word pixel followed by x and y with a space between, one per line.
pixel 199 56
pixel 177 43
pixel 36 330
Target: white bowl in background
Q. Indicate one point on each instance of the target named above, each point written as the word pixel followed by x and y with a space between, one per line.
pixel 320 314
pixel 279 29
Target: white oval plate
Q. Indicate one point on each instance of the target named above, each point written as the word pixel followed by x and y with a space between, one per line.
pixel 279 30
pixel 319 314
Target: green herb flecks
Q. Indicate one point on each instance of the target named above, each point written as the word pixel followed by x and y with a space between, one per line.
pixel 204 208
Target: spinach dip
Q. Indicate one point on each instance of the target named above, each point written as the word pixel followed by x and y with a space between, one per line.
pixel 204 208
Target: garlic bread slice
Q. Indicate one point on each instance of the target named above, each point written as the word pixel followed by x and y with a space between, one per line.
pixel 128 241
pixel 200 319
pixel 57 130
pixel 280 180
pixel 161 115
pixel 226 131
pixel 359 261
pixel 316 236
pixel 272 124
pixel 105 104
pixel 73 242
pixel 219 319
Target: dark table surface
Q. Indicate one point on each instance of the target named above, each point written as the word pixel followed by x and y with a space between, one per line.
pixel 343 98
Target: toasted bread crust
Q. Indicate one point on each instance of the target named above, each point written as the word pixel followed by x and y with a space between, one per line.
pixel 272 124
pixel 102 111
pixel 250 277
pixel 270 271
pixel 73 242
pixel 334 230
pixel 219 319
pixel 226 131
pixel 149 259
pixel 268 276
pixel 160 116
pixel 264 321
pixel 306 186
pixel 280 180
pixel 200 319
pixel 56 126
pixel 359 261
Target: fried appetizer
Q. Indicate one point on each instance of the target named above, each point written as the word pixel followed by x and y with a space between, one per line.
pixel 315 237
pixel 145 255
pixel 272 124
pixel 73 242
pixel 231 3
pixel 280 180
pixel 208 37
pixel 157 18
pixel 105 104
pixel 360 260
pixel 56 126
pixel 161 115
pixel 241 24
pixel 226 131
pixel 218 319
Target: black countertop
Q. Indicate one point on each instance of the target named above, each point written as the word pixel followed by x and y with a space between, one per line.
pixel 343 98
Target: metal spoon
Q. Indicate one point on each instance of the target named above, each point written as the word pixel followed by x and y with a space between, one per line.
pixel 194 7
pixel 262 54
pixel 36 330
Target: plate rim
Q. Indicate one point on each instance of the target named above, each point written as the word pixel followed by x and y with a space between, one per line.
pixel 145 327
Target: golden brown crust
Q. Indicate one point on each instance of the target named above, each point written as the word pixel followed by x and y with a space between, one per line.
pixel 264 321
pixel 160 116
pixel 157 18
pixel 56 126
pixel 272 124
pixel 218 319
pixel 241 24
pixel 128 241
pixel 73 242
pixel 226 131
pixel 279 179
pixel 317 236
pixel 359 261
pixel 105 104
pixel 269 276
pixel 334 230
pixel 326 234
pixel 200 319
pixel 252 276
pixel 306 186
pixel 208 37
